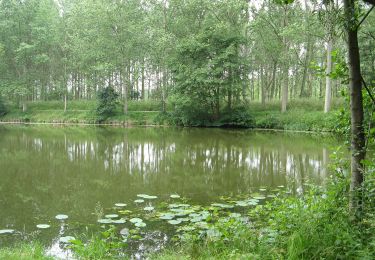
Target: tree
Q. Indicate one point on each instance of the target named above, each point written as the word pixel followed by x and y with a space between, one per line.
pixel 107 101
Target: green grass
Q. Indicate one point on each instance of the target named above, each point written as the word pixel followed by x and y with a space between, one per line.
pixel 302 114
pixel 32 251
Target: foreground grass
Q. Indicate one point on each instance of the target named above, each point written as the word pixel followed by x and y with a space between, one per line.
pixel 32 251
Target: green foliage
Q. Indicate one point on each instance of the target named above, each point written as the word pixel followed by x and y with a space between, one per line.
pixel 107 101
pixel 236 117
pixel 316 225
pixel 32 251
pixel 106 245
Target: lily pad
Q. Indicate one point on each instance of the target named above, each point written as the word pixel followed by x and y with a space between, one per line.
pixel 136 220
pixel 149 208
pixel 67 239
pixel 175 196
pixel 145 196
pixel 120 205
pixel 105 221
pixel 140 224
pixel 119 221
pixel 174 222
pixel 167 216
pixel 124 232
pixel 61 217
pixel 242 203
pixel 139 201
pixel 6 231
pixel 235 215
pixel 43 226
pixel 259 197
pixel 125 212
pixel 111 216
pixel 223 206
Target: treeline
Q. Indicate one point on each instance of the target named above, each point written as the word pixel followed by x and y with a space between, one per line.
pixel 201 56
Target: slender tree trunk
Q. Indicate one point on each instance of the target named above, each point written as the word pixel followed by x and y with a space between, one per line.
pixel 65 102
pixel 284 91
pixel 328 96
pixel 356 107
pixel 143 79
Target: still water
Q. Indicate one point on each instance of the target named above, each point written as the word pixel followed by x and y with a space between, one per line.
pixel 45 171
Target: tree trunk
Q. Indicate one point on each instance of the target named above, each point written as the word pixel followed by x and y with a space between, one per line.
pixel 284 91
pixel 65 103
pixel 328 96
pixel 356 107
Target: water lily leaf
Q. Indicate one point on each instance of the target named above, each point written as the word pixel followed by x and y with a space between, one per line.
pixel 149 208
pixel 183 219
pixel 197 219
pixel 61 217
pixel 202 225
pixel 235 215
pixel 174 222
pixel 67 239
pixel 242 203
pixel 6 231
pixel 259 197
pixel 145 196
pixel 139 201
pixel 173 205
pixel 262 189
pixel 167 216
pixel 175 196
pixel 140 224
pixel 119 221
pixel 105 221
pixel 271 196
pixel 223 206
pixel 43 226
pixel 124 232
pixel 186 228
pixel 213 233
pixel 120 205
pixel 111 216
pixel 136 220
pixel 125 212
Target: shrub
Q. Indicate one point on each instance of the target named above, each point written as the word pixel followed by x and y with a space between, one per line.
pixel 236 117
pixel 107 101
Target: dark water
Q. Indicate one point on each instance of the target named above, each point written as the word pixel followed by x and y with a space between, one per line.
pixel 45 171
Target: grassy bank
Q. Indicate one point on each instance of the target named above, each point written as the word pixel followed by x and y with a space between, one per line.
pixel 302 115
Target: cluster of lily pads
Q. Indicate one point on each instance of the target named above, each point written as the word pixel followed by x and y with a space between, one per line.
pixel 182 216
pixel 175 212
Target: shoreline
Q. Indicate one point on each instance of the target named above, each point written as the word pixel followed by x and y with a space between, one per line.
pixel 125 124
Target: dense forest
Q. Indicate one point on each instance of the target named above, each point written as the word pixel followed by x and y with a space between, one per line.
pixel 198 55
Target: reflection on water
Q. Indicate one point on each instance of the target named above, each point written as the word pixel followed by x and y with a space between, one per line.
pixel 48 171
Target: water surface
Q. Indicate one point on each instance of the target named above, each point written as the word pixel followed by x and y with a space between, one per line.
pixel 45 171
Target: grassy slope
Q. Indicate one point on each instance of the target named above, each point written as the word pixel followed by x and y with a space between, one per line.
pixel 302 114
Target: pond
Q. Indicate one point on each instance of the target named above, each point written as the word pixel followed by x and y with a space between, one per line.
pixel 82 172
